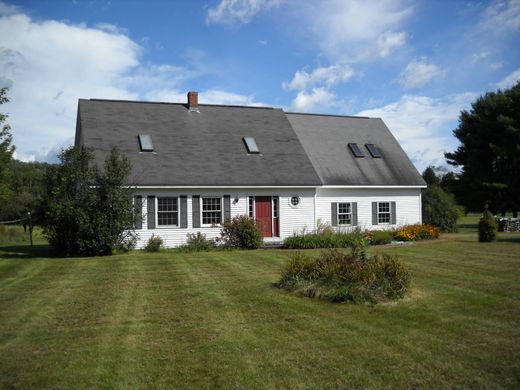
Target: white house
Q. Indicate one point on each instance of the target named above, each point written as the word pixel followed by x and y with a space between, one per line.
pixel 195 165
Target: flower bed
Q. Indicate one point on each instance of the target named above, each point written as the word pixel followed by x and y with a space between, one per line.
pixel 417 232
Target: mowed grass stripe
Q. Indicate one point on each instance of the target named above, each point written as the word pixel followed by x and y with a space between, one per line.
pixel 206 320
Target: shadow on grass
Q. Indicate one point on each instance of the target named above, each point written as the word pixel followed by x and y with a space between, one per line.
pixel 25 251
pixel 509 238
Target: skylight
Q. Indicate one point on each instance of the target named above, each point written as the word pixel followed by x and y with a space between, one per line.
pixel 251 146
pixel 145 143
pixel 374 150
pixel 354 148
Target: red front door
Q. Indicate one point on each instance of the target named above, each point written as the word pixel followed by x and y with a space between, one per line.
pixel 264 215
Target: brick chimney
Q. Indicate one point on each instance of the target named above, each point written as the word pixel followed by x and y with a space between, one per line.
pixel 193 101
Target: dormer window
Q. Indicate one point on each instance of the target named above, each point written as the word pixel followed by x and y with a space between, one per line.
pixel 251 145
pixel 145 143
pixel 374 150
pixel 354 148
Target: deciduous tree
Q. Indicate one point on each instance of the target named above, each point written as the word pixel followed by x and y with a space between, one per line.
pixel 6 150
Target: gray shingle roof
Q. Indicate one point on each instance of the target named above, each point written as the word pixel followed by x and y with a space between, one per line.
pixel 325 139
pixel 193 148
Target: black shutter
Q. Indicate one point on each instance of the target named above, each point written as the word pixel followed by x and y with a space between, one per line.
pixel 393 218
pixel 195 207
pixel 354 213
pixel 227 207
pixel 184 211
pixel 374 213
pixel 150 213
pixel 334 214
pixel 138 212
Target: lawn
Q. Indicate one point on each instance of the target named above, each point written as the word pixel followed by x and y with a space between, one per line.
pixel 210 320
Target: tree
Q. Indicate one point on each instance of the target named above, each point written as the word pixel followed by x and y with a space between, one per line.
pixel 27 185
pixel 438 203
pixel 6 151
pixel 489 153
pixel 87 211
pixel 430 177
pixel 439 208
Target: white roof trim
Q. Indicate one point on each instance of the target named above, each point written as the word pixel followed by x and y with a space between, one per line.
pixel 325 187
pixel 339 186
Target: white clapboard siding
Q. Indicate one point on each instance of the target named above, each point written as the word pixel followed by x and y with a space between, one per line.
pixel 292 219
pixel 408 204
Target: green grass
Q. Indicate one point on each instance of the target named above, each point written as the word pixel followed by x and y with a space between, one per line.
pixel 214 320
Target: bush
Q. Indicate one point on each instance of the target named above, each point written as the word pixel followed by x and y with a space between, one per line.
pixel 487 227
pixel 439 209
pixel 417 233
pixel 154 244
pixel 241 232
pixel 326 239
pixel 198 243
pixel 339 277
pixel 381 237
pixel 88 211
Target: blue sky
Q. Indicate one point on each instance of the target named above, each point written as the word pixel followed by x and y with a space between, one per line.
pixel 416 64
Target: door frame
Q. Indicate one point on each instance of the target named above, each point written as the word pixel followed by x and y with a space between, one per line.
pixel 274 228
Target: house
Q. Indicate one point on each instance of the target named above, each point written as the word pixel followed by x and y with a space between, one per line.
pixel 194 165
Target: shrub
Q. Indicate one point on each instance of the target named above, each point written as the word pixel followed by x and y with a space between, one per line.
pixel 487 228
pixel 197 242
pixel 439 209
pixel 339 277
pixel 381 237
pixel 417 233
pixel 154 244
pixel 241 232
pixel 326 240
pixel 88 211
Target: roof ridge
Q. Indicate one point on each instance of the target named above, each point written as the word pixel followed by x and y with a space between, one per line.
pixel 175 103
pixel 332 115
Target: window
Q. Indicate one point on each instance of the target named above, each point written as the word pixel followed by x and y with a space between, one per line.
pixel 251 146
pixel 145 143
pixel 383 212
pixel 275 207
pixel 167 212
pixel 295 201
pixel 211 211
pixel 344 213
pixel 374 150
pixel 354 148
pixel 251 207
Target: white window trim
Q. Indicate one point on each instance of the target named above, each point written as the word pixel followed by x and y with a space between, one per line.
pixel 389 213
pixel 254 206
pixel 299 201
pixel 202 210
pixel 338 214
pixel 157 226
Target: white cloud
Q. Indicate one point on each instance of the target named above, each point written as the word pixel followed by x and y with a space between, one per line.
pixel 48 65
pixel 419 72
pixel 262 42
pixel 423 125
pixel 316 98
pixel 357 30
pixel 480 56
pixel 321 77
pixel 502 16
pixel 390 41
pixel 510 80
pixel 238 11
pixel 8 9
